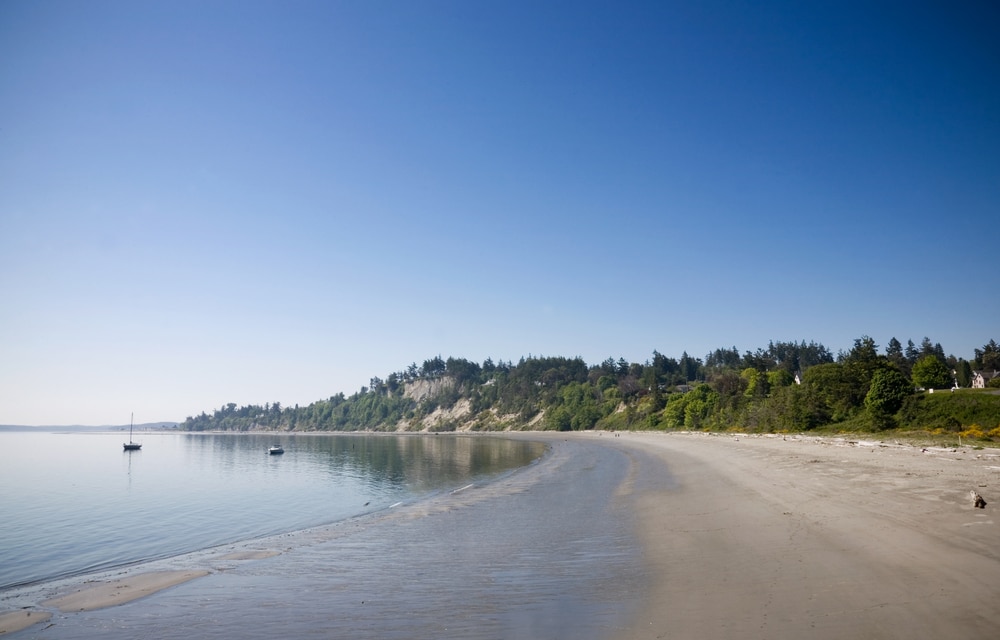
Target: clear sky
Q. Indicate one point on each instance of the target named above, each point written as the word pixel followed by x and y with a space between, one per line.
pixel 249 202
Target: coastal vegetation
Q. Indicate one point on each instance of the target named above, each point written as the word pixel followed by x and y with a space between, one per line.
pixel 786 387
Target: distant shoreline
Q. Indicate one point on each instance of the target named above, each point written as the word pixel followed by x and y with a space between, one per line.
pixel 149 426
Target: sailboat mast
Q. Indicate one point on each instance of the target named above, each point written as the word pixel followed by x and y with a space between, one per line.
pixel 130 445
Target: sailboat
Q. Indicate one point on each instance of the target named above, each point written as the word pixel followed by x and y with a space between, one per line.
pixel 131 446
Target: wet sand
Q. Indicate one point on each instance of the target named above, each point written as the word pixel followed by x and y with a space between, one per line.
pixel 90 596
pixel 108 594
pixel 12 621
pixel 635 535
pixel 533 554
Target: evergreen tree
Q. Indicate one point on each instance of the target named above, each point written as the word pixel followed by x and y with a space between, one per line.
pixel 988 358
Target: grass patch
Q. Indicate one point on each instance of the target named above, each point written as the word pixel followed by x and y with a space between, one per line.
pixel 954 412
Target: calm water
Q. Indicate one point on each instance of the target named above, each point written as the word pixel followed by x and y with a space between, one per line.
pixel 75 502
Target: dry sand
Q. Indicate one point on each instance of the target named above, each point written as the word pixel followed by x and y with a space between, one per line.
pixel 768 537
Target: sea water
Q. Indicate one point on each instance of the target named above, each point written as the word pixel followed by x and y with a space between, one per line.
pixel 74 502
pixel 546 549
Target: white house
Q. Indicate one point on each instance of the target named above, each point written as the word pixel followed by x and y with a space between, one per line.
pixel 980 378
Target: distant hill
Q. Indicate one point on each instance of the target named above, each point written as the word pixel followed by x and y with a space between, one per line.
pixel 148 426
pixel 787 387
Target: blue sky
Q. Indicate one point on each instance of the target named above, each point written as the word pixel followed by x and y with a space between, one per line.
pixel 249 202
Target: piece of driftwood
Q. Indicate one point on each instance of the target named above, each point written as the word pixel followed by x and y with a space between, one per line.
pixel 977 500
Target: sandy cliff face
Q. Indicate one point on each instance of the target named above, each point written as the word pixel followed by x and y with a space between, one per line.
pixel 458 417
pixel 420 390
pixel 460 414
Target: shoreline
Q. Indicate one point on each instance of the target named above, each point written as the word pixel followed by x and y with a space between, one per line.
pixel 476 562
pixel 23 606
pixel 742 536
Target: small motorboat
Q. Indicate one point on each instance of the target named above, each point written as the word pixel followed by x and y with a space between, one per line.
pixel 275 450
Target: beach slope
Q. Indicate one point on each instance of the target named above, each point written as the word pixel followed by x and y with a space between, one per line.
pixel 782 537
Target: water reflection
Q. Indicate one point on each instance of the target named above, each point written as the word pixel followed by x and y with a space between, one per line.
pixel 80 504
pixel 417 462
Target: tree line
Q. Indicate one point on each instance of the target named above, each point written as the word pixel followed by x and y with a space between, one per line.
pixel 787 386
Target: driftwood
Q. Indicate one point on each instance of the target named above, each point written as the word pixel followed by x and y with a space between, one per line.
pixel 977 500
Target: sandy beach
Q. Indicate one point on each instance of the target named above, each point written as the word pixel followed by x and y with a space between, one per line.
pixel 785 537
pixel 739 537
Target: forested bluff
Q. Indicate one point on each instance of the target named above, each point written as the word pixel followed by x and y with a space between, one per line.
pixel 787 387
